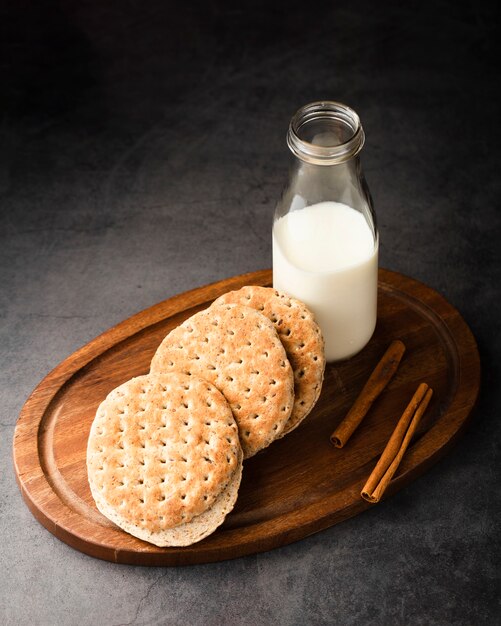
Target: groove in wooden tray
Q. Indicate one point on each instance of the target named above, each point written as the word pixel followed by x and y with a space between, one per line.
pixel 300 484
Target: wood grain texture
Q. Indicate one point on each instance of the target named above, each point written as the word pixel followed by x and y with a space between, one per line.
pixel 300 484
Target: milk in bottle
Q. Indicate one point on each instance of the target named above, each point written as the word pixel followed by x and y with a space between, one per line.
pixel 326 256
pixel 325 239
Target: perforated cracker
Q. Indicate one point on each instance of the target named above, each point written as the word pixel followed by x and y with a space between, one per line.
pixel 162 449
pixel 301 337
pixel 238 350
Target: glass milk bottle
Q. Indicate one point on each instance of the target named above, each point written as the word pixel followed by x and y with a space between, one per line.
pixel 325 239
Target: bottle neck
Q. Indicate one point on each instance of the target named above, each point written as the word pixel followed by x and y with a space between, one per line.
pixel 325 133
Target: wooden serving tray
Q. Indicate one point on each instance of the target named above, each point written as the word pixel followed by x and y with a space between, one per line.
pixel 300 484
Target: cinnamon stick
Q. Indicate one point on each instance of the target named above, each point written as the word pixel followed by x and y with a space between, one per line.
pixel 397 445
pixel 380 377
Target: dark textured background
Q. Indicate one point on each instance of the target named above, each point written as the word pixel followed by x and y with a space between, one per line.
pixel 142 151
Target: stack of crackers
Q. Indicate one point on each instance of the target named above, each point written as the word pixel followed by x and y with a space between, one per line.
pixel 165 450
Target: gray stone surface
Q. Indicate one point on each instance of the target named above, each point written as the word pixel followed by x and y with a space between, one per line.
pixel 142 150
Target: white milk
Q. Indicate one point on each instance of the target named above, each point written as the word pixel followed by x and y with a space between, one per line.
pixel 325 255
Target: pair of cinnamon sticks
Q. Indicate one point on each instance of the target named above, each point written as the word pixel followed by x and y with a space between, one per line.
pixel 395 449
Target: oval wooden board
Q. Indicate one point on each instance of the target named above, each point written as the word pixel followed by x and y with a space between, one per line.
pixel 300 484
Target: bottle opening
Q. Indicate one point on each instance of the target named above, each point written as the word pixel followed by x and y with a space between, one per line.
pixel 325 133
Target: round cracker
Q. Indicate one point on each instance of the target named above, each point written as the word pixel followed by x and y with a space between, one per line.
pixel 161 450
pixel 238 350
pixel 300 336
